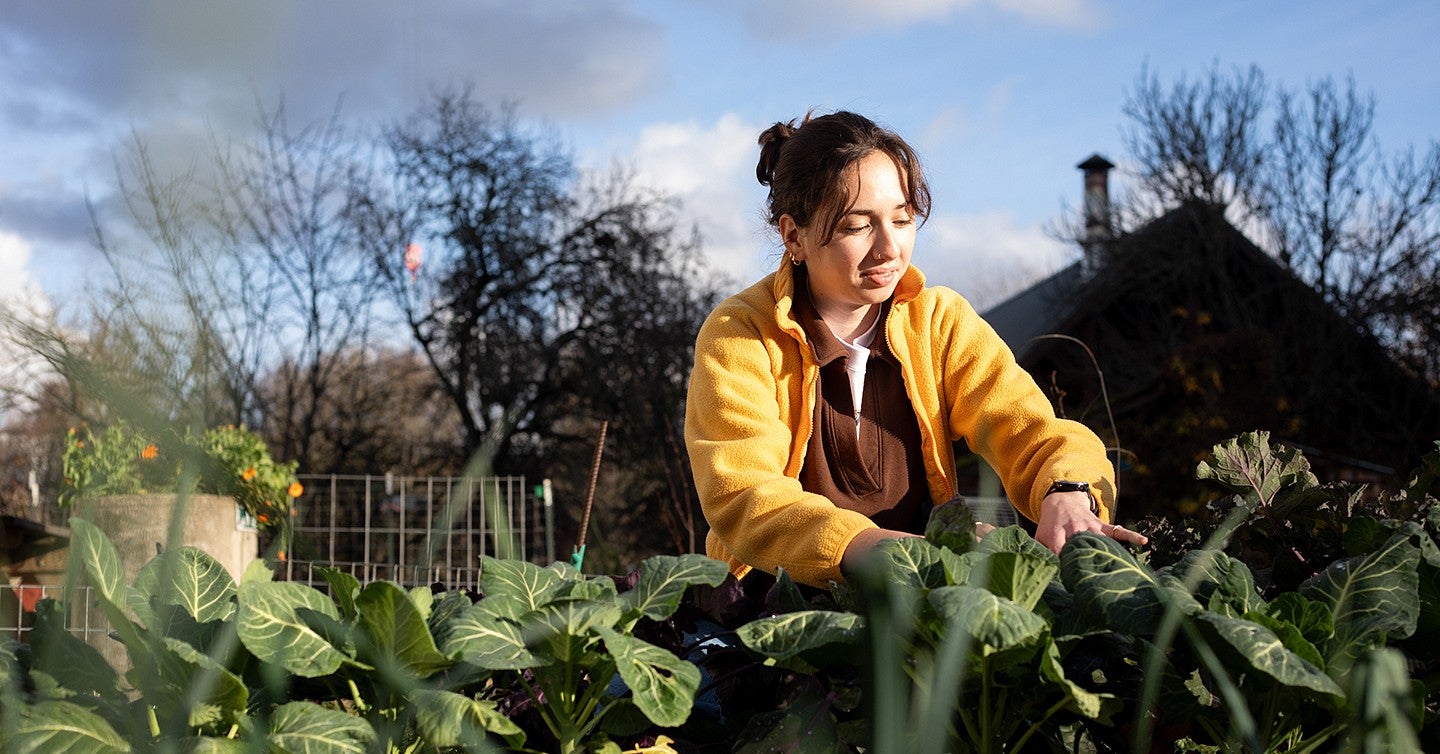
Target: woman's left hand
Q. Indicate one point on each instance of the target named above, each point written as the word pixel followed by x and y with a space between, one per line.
pixel 1065 514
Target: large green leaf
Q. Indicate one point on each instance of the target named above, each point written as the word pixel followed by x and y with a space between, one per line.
pixel 489 641
pixel 78 667
pixel 952 526
pixel 1312 619
pixel 1082 701
pixel 516 586
pixel 1224 584
pixel 1114 591
pixel 396 631
pixel 1016 566
pixel 343 588
pixel 910 562
pixel 564 628
pixel 1263 651
pixel 308 728
pixel 190 578
pixel 63 728
pixel 1291 636
pixel 1250 465
pixel 1372 598
pixel 202 682
pixel 449 606
pixel 663 685
pixel 994 622
pixel 101 563
pixel 783 637
pixel 448 719
pixel 664 579
pixel 1427 624
pixel 98 556
pixel 271 629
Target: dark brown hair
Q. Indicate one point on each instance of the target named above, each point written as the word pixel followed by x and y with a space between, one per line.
pixel 803 166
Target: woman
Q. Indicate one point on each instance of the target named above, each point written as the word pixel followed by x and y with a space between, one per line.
pixel 825 398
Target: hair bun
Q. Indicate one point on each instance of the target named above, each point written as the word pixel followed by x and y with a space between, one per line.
pixel 771 141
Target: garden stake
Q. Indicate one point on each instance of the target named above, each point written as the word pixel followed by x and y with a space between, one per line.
pixel 577 558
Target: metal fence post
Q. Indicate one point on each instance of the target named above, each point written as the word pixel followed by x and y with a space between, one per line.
pixel 549 503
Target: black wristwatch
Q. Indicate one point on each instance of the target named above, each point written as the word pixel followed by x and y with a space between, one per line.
pixel 1068 486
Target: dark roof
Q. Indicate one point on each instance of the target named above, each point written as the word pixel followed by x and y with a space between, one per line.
pixel 1037 310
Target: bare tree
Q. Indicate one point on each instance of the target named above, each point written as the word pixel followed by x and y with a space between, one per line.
pixel 1197 141
pixel 384 412
pixel 1359 226
pixel 542 297
pixel 237 295
pixel 1362 228
pixel 172 324
pixel 283 201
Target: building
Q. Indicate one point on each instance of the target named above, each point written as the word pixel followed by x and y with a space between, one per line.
pixel 1184 333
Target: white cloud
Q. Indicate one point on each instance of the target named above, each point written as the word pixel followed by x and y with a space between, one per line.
pixel 711 169
pixel 21 298
pixel 19 293
pixel 77 79
pixel 987 256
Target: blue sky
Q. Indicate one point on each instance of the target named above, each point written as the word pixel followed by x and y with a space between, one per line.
pixel 1001 97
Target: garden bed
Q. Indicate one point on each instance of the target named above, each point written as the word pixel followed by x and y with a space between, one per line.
pixel 942 644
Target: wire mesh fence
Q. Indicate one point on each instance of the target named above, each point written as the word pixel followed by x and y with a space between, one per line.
pixel 18 604
pixel 416 530
pixel 410 530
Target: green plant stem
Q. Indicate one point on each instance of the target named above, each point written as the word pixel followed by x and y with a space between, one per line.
pixel 590 703
pixel 546 714
pixel 986 721
pixel 360 703
pixel 1319 739
pixel 154 723
pixel 968 721
pixel 1056 707
pixel 1240 719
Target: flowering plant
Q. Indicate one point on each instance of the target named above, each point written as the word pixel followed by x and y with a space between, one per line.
pixel 123 460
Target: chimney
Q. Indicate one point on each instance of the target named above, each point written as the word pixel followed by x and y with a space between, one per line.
pixel 1097 207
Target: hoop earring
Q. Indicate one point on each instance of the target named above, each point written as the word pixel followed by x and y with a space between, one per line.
pixel 793 261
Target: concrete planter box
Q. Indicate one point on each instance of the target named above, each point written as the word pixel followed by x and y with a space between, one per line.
pixel 140 525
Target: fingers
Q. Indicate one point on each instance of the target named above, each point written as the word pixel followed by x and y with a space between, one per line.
pixel 1121 534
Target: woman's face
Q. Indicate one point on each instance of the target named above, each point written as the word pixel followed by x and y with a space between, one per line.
pixel 860 265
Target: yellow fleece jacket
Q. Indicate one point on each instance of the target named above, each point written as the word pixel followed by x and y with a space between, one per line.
pixel 751 406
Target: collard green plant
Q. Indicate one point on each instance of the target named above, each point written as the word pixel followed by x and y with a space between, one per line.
pixel 215 664
pixel 938 645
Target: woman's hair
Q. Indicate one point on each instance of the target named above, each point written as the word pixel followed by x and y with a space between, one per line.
pixel 803 166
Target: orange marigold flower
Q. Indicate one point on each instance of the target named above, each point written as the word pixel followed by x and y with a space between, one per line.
pixel 79 443
pixel 281 556
pixel 150 452
pixel 248 474
pixel 295 489
pixel 262 518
